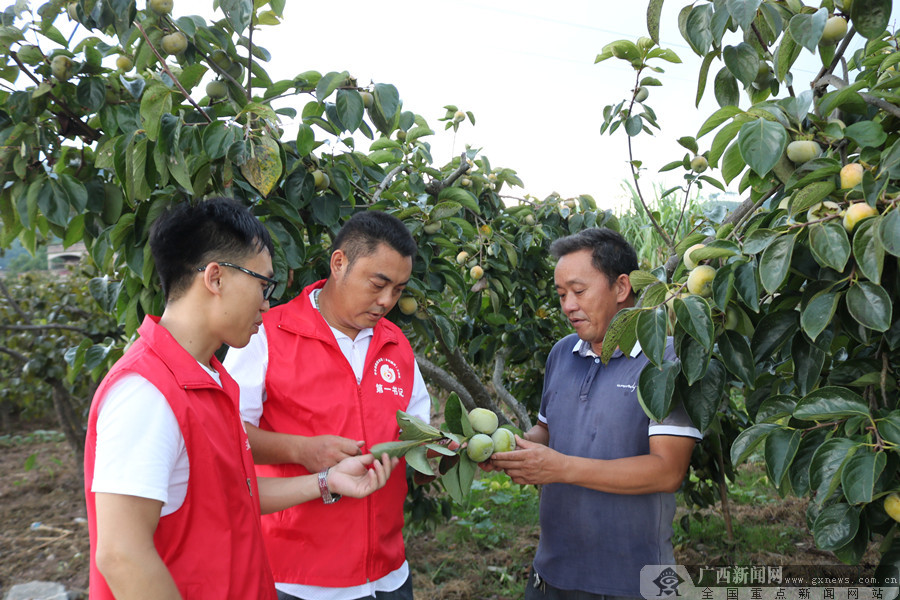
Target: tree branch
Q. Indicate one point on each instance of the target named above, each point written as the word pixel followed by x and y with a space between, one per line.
pixel 16 355
pixel 80 330
pixel 445 380
pixel 435 186
pixel 830 79
pixel 12 301
pixel 839 53
pixel 386 182
pixel 165 68
pixel 83 129
pixel 503 393
pixel 662 232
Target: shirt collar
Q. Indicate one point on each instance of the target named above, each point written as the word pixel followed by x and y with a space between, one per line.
pixel 584 350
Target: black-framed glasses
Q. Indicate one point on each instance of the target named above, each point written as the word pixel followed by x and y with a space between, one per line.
pixel 271 284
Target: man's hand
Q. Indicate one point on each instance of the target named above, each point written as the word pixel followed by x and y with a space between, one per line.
pixel 352 477
pixel 323 451
pixel 533 463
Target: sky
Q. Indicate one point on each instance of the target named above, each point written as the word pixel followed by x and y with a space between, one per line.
pixel 524 68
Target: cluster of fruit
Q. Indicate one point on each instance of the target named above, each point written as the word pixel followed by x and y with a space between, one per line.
pixel 464 439
pixel 489 437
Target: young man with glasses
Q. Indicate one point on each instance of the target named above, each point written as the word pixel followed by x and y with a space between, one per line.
pixel 322 381
pixel 173 501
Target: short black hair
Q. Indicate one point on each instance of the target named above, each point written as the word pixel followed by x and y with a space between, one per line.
pixel 190 235
pixel 361 235
pixel 611 254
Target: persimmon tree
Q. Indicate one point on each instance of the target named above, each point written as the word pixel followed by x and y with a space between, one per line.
pixel 790 300
pixel 110 112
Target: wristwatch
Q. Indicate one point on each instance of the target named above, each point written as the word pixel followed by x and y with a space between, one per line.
pixel 327 496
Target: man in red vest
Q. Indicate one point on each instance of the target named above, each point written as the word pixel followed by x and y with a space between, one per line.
pixel 173 502
pixel 322 381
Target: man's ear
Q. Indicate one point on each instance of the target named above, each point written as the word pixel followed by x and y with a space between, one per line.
pixel 339 263
pixel 622 287
pixel 212 278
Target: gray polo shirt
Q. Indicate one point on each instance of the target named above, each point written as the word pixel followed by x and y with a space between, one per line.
pixel 590 540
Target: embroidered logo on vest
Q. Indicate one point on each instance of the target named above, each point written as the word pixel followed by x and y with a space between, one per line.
pixel 389 372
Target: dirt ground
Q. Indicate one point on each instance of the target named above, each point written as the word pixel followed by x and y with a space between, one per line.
pixel 43 532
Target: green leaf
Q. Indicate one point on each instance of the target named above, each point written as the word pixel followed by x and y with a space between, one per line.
pixel 461 196
pixel 870 17
pixel 641 279
pixel 651 332
pixel 394 449
pixel 633 125
pixel 442 210
pixel 156 101
pixel 91 93
pixel 701 78
pixel 830 245
pixel 725 88
pixel 859 475
pixel 654 10
pixel 785 55
pixel 830 403
pixel 723 286
pixel 746 286
pixel 622 324
pixel 773 331
pixel 656 386
pixel 387 99
pixel 866 133
pixel 762 143
pixel 702 399
pixel 414 428
pixel 780 448
pixel 817 314
pixel 747 441
pixel 811 194
pixel 808 362
pixel 870 305
pixel 737 357
pixel 350 109
pixel 742 11
pixel 775 262
pixel 453 414
pixel 732 163
pixel 695 359
pixel 238 13
pixel 695 317
pixel 868 250
pixel 697 28
pixel 825 466
pixel 835 526
pixel 717 118
pixel 889 232
pixel 806 29
pixel 799 470
pixel 742 61
pixel 889 426
pixel 415 458
pixel 775 408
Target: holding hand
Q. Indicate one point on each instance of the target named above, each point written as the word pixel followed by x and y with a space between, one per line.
pixel 351 477
pixel 323 451
pixel 533 463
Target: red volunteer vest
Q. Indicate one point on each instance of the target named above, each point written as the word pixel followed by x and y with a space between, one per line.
pixel 311 390
pixel 212 545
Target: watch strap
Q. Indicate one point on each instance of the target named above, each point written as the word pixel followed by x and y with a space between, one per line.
pixel 327 496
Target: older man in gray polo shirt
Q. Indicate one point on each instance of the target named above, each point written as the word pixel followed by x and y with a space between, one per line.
pixel 610 473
